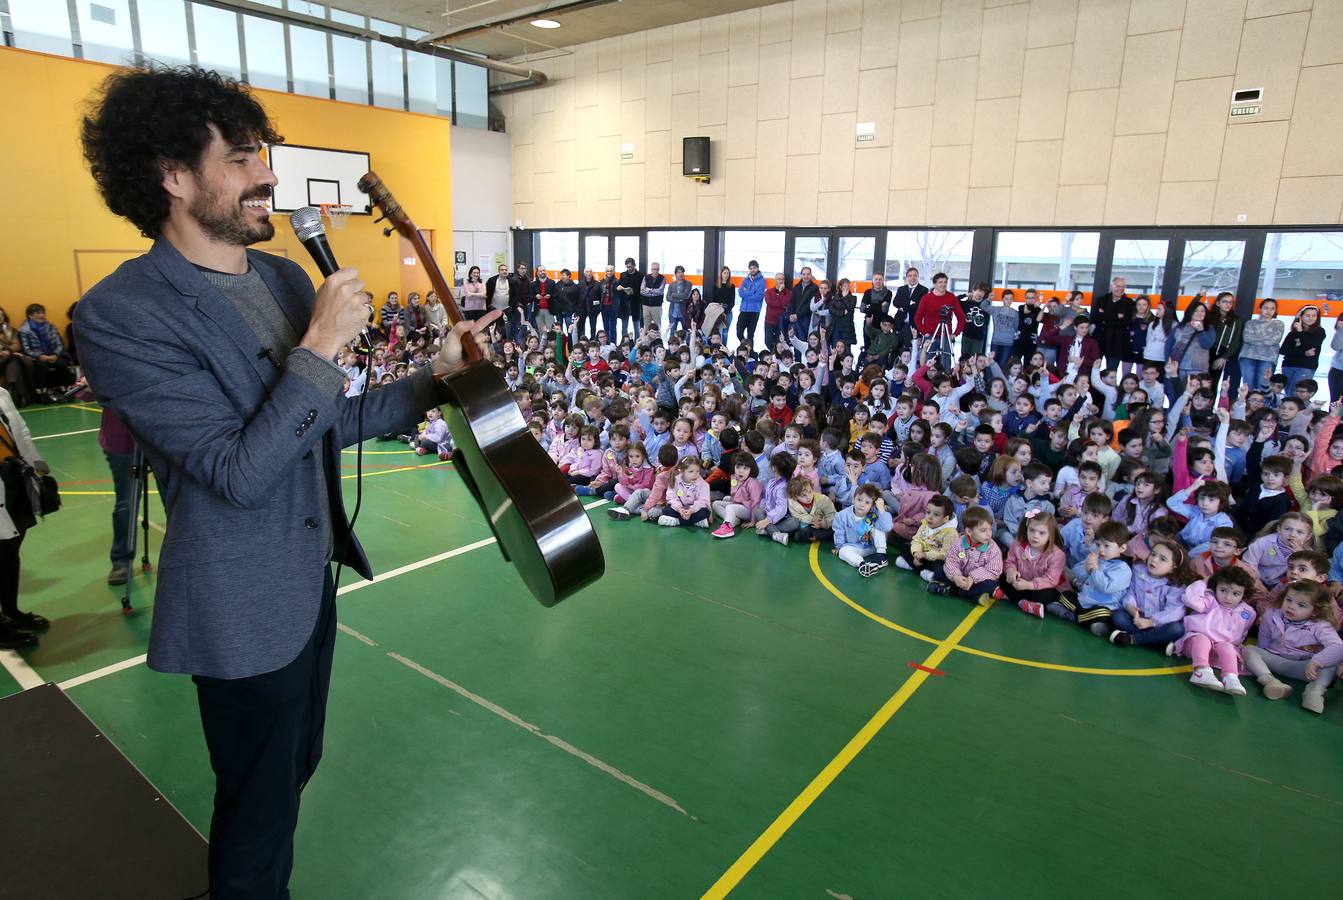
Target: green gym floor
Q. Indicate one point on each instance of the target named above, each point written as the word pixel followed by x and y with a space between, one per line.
pixel 709 718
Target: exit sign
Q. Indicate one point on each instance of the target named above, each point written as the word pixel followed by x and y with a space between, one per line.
pixel 1246 110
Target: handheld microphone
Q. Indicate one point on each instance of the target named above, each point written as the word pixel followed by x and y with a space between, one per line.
pixel 308 228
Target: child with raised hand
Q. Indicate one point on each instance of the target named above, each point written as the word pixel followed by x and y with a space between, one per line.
pixel 773 506
pixel 744 495
pixel 1078 452
pixel 1036 480
pixel 1268 553
pixel 1269 499
pixel 1209 511
pixel 860 532
pixel 1004 482
pixel 813 511
pixel 1102 581
pixel 1298 638
pixel 1034 571
pixel 927 550
pixel 1153 612
pixel 1139 508
pixel 688 499
pixel 588 463
pixel 1079 535
pixel 924 473
pixel 1215 626
pixel 635 475
pixel 974 564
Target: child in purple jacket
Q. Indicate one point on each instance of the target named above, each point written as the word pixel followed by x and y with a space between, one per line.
pixel 588 463
pixel 687 497
pixel 1152 613
pixel 773 507
pixel 1297 639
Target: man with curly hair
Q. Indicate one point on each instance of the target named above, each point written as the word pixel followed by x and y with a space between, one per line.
pixel 219 360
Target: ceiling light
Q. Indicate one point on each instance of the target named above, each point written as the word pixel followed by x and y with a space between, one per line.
pixel 545 23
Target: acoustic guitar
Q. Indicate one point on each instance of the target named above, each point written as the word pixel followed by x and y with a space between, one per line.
pixel 540 525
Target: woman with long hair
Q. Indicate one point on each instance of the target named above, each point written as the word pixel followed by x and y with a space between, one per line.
pixel 1159 327
pixel 16 368
pixel 1190 344
pixel 1137 334
pixel 725 295
pixel 473 294
pixel 1259 347
pixel 1228 332
pixel 842 306
pixel 1301 349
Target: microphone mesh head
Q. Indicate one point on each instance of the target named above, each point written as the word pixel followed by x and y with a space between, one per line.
pixel 307 222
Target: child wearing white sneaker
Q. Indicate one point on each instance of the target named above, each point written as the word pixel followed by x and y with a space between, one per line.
pixel 1215 627
pixel 927 550
pixel 975 564
pixel 1298 639
pixel 813 512
pixel 688 500
pixel 744 494
pixel 860 531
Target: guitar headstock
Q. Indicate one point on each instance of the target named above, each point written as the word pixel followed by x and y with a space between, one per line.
pixel 391 210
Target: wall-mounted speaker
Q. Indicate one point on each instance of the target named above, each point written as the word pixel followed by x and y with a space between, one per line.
pixel 695 158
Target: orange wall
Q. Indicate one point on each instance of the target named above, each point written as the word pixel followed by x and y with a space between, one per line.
pixel 57 239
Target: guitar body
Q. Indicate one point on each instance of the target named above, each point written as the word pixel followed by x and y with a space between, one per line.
pixel 541 526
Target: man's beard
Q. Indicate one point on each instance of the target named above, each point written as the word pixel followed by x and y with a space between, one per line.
pixel 225 220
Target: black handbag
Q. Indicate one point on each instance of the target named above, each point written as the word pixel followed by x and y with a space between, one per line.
pixel 28 494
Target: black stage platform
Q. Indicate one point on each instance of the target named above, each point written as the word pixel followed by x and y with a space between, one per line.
pixel 79 820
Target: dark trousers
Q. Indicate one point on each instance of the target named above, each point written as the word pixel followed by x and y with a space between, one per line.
pixel 264 734
pixel 746 323
pixel 1157 635
pixel 9 574
pixel 1086 616
pixel 609 317
pixel 1335 384
pixel 973 592
pixel 123 484
pixel 1038 595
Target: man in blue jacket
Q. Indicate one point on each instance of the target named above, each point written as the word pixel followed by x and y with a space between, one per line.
pixel 219 361
pixel 752 297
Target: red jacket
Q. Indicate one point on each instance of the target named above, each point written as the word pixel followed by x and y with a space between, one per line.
pixel 1091 351
pixel 776 305
pixel 930 309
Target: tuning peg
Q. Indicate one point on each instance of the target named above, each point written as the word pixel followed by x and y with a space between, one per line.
pixel 387 232
pixel 380 218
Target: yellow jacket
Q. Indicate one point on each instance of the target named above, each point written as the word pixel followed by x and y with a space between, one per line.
pixel 934 543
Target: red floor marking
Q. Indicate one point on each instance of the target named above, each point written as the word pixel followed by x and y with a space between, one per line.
pixel 938 672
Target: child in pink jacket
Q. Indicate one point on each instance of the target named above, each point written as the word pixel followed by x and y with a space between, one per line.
pixel 925 482
pixel 1216 626
pixel 635 475
pixel 688 498
pixel 745 493
pixel 613 460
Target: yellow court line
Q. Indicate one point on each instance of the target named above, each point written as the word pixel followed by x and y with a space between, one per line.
pixel 786 819
pixel 1016 661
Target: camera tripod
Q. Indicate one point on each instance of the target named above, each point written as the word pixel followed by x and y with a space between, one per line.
pixel 138 509
pixel 939 345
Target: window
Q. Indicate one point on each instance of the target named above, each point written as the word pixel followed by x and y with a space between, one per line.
pixel 348 18
pixel 596 252
pixel 217 41
pixel 312 70
pixel 163 31
pixel 389 88
pixel 266 66
pixel 473 103
pixel 627 247
pixel 41 25
pixel 308 9
pixel 443 84
pixel 930 252
pixel 1046 260
pixel 670 249
pixel 1303 266
pixel 105 30
pixel 812 252
pixel 1142 264
pixel 391 29
pixel 740 247
pixel 349 64
pixel 1214 265
pixel 557 250
pixel 422 81
pixel 857 259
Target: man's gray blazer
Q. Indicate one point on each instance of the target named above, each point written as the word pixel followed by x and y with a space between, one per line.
pixel 231 438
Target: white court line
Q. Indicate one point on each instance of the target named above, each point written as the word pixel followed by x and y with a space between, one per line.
pixel 549 738
pixel 27 677
pixel 99 673
pixel 43 437
pixel 19 670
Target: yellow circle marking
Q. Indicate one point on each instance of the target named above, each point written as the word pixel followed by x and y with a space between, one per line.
pixel 1016 661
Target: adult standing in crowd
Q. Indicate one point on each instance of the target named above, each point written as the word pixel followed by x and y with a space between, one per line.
pixel 1301 349
pixel 1259 348
pixel 589 303
pixel 610 301
pixel 678 293
pixel 651 291
pixel 18 629
pixel 725 295
pixel 778 298
pixel 1003 335
pixel 1190 344
pixel 503 292
pixel 937 309
pixel 842 307
pixel 1111 313
pixel 16 367
pixel 903 307
pixel 1336 364
pixel 42 344
pixel 797 322
pixel 1228 332
pixel 543 301
pixel 246 447
pixel 566 300
pixel 473 299
pixel 876 303
pixel 1156 350
pixel 523 300
pixel 752 294
pixel 629 312
pixel 1137 334
pixel 975 307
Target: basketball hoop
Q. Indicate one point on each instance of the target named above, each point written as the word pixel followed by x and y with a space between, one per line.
pixel 337 213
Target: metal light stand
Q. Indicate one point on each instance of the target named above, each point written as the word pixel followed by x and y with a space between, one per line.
pixel 139 510
pixel 941 337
